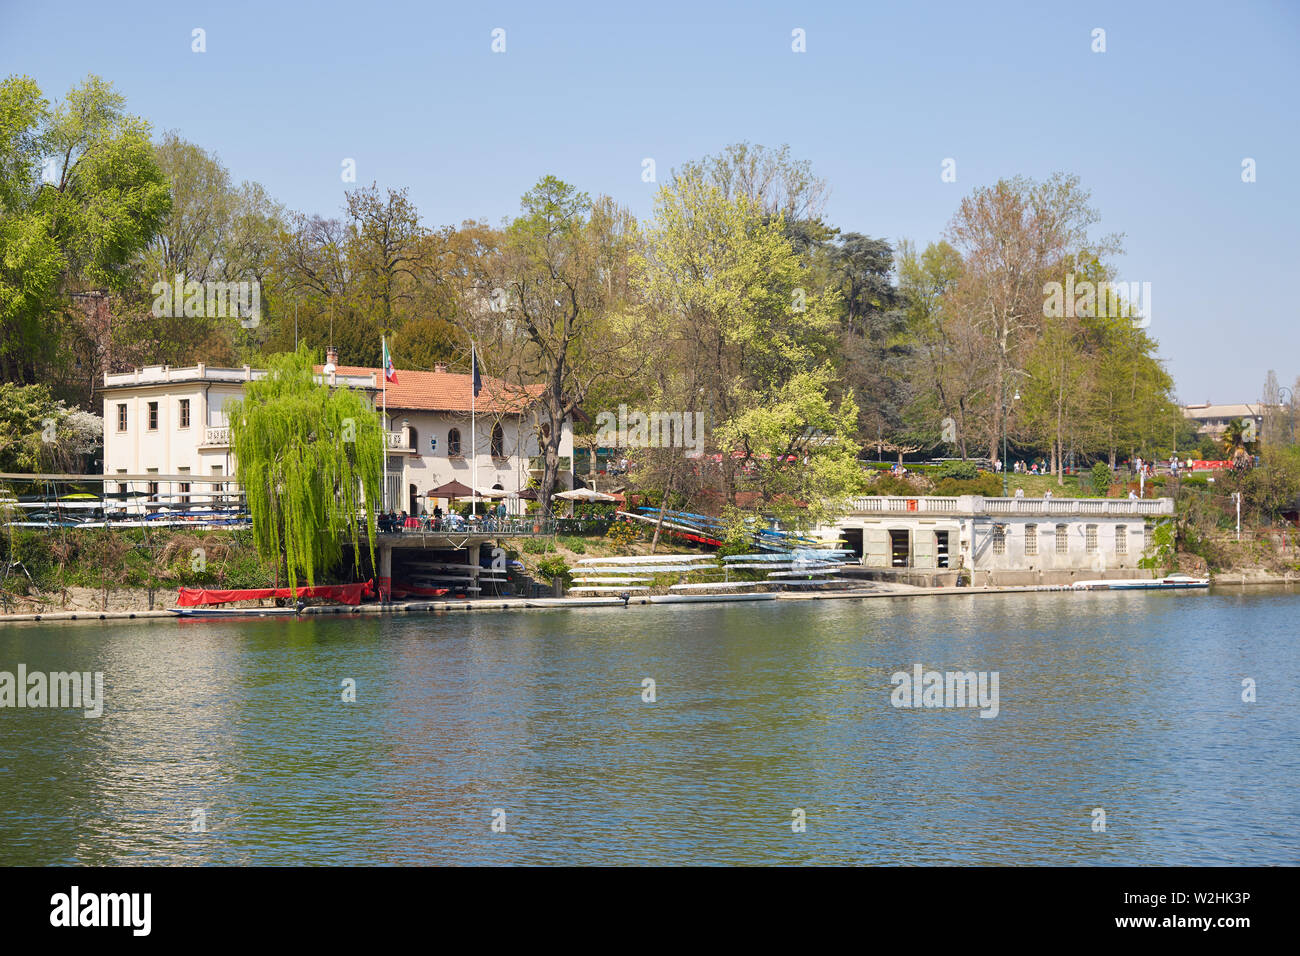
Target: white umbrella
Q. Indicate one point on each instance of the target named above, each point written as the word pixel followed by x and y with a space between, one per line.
pixel 585 494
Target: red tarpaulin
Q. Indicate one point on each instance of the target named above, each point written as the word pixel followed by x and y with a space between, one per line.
pixel 343 593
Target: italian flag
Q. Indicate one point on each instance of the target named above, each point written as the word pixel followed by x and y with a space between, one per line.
pixel 390 373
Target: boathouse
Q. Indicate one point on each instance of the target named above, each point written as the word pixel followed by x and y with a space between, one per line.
pixel 1003 541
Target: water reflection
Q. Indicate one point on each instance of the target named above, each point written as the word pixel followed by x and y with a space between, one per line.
pixel 1128 702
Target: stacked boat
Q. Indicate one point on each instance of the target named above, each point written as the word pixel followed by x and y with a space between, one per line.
pixel 634 574
pixel 442 578
pixel 801 568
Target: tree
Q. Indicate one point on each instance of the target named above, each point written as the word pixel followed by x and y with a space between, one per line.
pixel 1056 393
pixel 777 184
pixel 1238 448
pixel 728 293
pixel 310 460
pixel 948 359
pixel 39 433
pixel 103 200
pixel 563 282
pixel 1014 236
pixel 384 249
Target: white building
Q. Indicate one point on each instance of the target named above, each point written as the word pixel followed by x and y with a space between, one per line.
pixel 1213 419
pixel 1001 540
pixel 171 423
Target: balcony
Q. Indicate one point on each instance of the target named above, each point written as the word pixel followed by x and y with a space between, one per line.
pixel 219 437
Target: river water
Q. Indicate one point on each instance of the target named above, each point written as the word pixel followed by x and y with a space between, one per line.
pixel 771 737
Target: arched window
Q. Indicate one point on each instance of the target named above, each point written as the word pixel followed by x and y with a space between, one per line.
pixel 498 441
pixel 453 443
pixel 413 439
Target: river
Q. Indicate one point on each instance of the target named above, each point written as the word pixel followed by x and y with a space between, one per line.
pixel 771 737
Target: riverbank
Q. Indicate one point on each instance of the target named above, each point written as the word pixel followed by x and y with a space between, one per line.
pixel 406 608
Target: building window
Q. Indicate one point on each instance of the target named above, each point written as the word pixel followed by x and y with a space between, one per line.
pixel 1090 539
pixel 1121 539
pixel 153 416
pixel 121 416
pixel 153 485
pixel 1031 540
pixel 1062 539
pixel 498 441
pixel 453 443
pixel 413 439
pixel 1146 538
pixel 184 486
pixel 185 413
pixel 999 539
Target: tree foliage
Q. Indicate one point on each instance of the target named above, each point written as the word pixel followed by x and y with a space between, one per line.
pixel 310 461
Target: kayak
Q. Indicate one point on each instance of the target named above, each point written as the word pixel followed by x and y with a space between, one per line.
pixel 232 611
pixel 1173 581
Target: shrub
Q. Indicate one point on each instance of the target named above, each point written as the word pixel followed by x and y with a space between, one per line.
pixel 890 485
pixel 576 545
pixel 1101 477
pixel 988 484
pixel 534 546
pixel 960 470
pixel 622 533
pixel 553 568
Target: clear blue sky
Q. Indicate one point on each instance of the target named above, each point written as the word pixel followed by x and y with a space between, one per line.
pixel 1156 127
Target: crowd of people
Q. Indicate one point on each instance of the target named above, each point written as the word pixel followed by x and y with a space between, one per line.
pixel 492 519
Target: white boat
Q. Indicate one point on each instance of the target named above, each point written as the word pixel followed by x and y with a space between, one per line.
pixel 1172 581
pixel 647 559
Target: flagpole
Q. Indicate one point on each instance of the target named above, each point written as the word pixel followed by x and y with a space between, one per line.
pixel 473 437
pixel 383 422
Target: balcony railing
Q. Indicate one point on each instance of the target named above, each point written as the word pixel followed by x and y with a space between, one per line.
pixel 885 504
pixel 977 505
pixel 218 436
pixel 511 526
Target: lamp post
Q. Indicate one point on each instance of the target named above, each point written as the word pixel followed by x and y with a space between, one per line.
pixel 1289 399
pixel 1015 398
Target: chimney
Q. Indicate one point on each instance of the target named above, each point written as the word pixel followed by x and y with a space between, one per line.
pixel 332 356
pixel 440 367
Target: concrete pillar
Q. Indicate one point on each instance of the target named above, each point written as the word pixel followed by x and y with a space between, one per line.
pixel 385 572
pixel 474 551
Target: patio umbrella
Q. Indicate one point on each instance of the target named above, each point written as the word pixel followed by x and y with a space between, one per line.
pixel 452 489
pixel 528 494
pixel 585 494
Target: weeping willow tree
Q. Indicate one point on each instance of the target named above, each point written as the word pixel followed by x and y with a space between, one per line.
pixel 309 458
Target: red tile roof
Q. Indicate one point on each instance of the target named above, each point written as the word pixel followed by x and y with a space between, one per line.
pixel 447 391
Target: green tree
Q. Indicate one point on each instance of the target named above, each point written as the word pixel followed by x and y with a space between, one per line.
pixel 729 293
pixel 103 199
pixel 310 461
pixel 559 315
pixel 40 433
